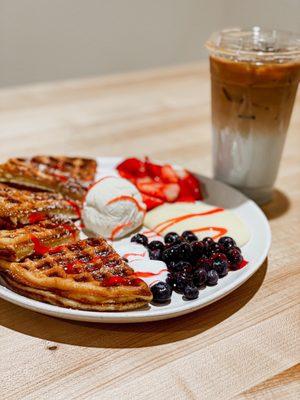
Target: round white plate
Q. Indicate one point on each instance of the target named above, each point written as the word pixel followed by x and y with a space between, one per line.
pixel 255 251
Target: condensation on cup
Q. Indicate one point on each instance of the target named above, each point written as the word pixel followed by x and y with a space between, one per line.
pixel 254 79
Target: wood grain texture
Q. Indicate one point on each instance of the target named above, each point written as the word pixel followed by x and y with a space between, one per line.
pixel 245 346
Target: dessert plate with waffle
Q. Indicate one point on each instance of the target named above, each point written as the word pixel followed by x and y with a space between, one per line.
pixel 122 240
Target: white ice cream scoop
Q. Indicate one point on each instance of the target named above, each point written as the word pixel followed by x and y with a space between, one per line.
pixel 113 208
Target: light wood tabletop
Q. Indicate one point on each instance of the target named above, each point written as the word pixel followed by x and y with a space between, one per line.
pixel 241 347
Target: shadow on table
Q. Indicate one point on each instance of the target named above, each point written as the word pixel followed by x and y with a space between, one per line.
pixel 129 335
pixel 278 206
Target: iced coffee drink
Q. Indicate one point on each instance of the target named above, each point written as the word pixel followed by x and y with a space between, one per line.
pixel 254 80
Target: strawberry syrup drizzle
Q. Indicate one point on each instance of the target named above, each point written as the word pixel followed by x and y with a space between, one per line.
pixel 70 229
pixel 119 280
pixel 134 254
pixel 118 228
pixel 127 198
pixel 243 264
pixel 75 207
pixel 144 274
pixel 221 231
pixel 39 248
pixel 36 217
pixel 172 221
pixel 60 177
pixel 95 183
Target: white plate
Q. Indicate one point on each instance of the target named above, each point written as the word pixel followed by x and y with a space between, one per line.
pixel 255 251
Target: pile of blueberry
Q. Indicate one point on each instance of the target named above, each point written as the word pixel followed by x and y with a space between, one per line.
pixel 192 264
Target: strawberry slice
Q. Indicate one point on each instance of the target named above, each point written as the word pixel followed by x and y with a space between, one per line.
pixel 132 167
pixel 160 183
pixel 171 191
pixel 190 189
pixel 168 174
pixel 153 170
pixel 154 189
pixel 164 191
pixel 146 179
pixel 151 202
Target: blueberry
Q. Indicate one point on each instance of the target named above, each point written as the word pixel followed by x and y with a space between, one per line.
pixel 199 277
pixel 189 236
pixel 182 280
pixel 227 242
pixel 205 263
pixel 207 241
pixel 140 239
pixel 212 277
pixel 183 266
pixel 216 248
pixel 171 254
pixel 155 254
pixel 234 256
pixel 191 292
pixel 156 245
pixel 237 248
pixel 184 251
pixel 221 266
pixel 171 266
pixel 172 238
pixel 197 249
pixel 170 280
pixel 161 292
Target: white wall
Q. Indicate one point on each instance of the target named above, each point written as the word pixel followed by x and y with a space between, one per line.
pixel 57 39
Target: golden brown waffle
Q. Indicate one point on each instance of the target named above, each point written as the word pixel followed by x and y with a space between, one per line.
pixel 82 169
pixel 86 275
pixel 21 207
pixel 39 238
pixel 23 172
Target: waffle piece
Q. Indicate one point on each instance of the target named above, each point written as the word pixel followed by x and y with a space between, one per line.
pixel 21 207
pixel 82 169
pixel 39 238
pixel 87 275
pixel 23 172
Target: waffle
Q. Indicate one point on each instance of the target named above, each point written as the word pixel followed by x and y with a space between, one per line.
pixel 21 207
pixel 17 244
pixel 86 275
pixel 82 169
pixel 26 173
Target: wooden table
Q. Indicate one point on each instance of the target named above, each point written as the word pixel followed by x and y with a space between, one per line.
pixel 242 347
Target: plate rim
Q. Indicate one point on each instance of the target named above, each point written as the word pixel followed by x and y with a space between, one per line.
pixel 143 315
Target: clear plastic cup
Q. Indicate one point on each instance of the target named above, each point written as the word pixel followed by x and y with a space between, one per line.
pixel 254 79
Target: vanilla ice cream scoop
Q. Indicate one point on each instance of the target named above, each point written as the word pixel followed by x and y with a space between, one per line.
pixel 113 208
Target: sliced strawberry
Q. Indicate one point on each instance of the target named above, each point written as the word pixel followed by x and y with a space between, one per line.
pixel 126 175
pixel 151 202
pixel 160 184
pixel 153 170
pixel 164 191
pixel 189 188
pixel 154 189
pixel 171 191
pixel 146 179
pixel 132 167
pixel 168 174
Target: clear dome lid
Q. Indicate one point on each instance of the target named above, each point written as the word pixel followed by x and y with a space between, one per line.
pixel 255 45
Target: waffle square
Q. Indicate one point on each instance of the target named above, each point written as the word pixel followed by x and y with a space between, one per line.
pixel 39 176
pixel 17 244
pixel 87 274
pixel 22 207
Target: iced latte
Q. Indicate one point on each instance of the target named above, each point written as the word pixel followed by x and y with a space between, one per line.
pixel 254 80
